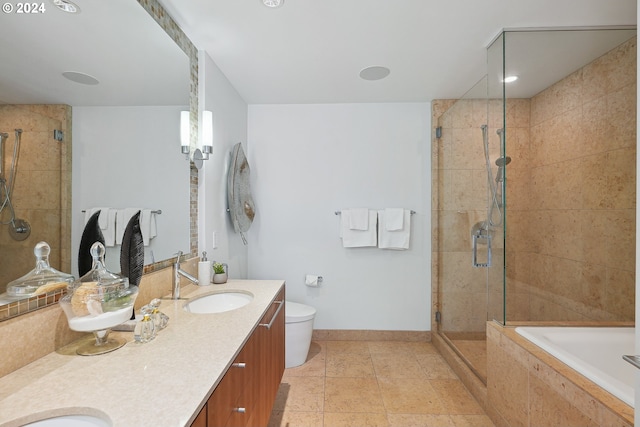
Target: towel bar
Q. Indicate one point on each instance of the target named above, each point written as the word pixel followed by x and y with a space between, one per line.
pixel 339 212
pixel 159 211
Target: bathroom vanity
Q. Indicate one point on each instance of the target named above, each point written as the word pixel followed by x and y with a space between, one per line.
pixel 245 395
pixel 211 369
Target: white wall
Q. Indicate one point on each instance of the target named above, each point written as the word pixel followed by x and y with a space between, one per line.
pixel 309 161
pixel 130 157
pixel 229 127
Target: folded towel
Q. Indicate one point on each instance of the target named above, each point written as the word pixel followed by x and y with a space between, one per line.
pixel 122 219
pixel 358 218
pixel 394 218
pixel 109 231
pixel 397 239
pixel 357 238
pixel 148 225
pixel 103 219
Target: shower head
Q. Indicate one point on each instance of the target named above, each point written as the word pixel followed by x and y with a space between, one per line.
pixel 499 131
pixel 503 161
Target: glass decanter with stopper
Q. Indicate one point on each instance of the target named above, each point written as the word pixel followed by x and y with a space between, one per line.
pixel 42 279
pixel 97 302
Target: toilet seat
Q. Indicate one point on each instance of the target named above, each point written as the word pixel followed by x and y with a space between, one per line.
pixel 295 312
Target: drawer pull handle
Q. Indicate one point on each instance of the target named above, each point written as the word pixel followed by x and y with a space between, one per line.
pixel 270 324
pixel 240 410
pixel 239 365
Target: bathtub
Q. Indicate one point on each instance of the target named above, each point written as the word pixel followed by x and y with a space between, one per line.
pixel 594 352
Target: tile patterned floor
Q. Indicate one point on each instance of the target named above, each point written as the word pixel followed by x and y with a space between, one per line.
pixel 377 384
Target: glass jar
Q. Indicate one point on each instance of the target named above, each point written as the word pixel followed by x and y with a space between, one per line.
pixel 97 302
pixel 42 279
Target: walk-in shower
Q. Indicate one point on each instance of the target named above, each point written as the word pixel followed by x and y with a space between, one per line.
pixel 19 229
pixel 535 182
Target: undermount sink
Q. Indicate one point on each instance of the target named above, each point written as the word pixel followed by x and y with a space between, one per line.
pixel 219 302
pixel 70 421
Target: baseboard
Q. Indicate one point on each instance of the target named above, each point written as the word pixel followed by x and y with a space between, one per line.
pixel 368 335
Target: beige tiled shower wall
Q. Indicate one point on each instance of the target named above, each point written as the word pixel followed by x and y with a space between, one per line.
pixel 571 197
pixel 41 194
pixel 570 201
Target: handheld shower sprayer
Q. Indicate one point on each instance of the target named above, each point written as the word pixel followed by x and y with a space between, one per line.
pixel 19 229
pixel 501 162
pixel 482 232
pixel 3 138
pixel 495 214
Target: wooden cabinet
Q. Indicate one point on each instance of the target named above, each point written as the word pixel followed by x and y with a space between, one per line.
pixel 270 335
pixel 246 393
pixel 201 419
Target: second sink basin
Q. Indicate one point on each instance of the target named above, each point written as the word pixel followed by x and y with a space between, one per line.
pixel 219 302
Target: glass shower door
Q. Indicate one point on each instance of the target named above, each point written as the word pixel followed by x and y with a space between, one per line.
pixel 467 293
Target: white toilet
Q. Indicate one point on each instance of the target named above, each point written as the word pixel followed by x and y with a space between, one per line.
pixel 298 330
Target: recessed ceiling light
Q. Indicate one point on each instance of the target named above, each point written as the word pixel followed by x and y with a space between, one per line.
pixel 273 3
pixel 81 78
pixel 66 6
pixel 374 73
pixel 510 79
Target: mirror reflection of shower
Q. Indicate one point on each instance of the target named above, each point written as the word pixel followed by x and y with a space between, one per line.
pixel 19 228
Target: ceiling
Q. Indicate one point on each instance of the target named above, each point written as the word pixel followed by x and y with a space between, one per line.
pixel 115 41
pixel 310 51
pixel 306 51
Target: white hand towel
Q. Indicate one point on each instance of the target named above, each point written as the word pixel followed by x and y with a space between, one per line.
pixel 397 239
pixel 357 238
pixel 122 219
pixel 109 232
pixel 103 219
pixel 358 218
pixel 394 219
pixel 147 225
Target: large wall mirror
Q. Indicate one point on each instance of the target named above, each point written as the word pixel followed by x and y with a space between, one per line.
pixel 113 82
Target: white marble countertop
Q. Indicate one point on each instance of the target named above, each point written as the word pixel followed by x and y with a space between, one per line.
pixel 161 383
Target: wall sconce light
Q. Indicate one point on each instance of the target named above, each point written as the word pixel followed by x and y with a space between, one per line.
pixel 185 133
pixel 207 133
pixel 207 137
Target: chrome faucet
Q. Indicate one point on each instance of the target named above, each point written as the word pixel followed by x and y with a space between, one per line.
pixel 177 272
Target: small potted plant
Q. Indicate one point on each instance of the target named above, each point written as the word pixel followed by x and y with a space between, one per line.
pixel 219 273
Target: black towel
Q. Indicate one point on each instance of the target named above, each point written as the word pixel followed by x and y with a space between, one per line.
pixel 90 235
pixel 132 251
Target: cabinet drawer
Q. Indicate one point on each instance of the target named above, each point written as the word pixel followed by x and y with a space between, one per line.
pixel 222 403
pixel 247 391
